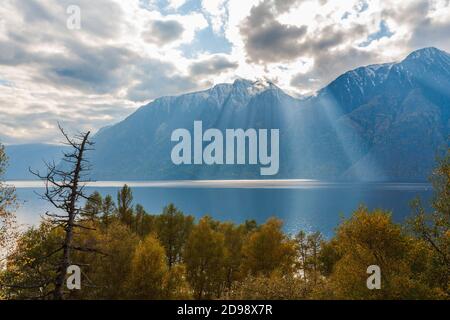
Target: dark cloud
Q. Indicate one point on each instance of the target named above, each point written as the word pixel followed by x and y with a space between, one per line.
pixel 87 68
pixel 101 69
pixel 267 40
pixel 33 11
pixel 424 31
pixel 90 69
pixel 102 19
pixel 156 78
pixel 433 34
pixel 285 5
pixel 12 54
pixel 213 65
pixel 407 15
pixel 329 65
pixel 163 32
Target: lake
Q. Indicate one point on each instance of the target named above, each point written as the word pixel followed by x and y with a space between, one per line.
pixel 302 204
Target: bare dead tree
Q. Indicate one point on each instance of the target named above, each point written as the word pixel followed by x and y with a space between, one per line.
pixel 64 188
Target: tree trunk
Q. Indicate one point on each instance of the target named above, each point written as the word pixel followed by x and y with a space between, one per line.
pixel 72 212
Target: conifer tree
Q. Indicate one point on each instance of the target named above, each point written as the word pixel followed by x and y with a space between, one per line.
pixel 125 205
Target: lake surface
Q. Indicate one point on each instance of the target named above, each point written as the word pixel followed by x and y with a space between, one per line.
pixel 302 204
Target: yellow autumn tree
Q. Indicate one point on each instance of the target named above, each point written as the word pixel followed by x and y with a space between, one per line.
pixel 204 259
pixel 107 270
pixel 433 227
pixel 148 270
pixel 371 238
pixel 268 249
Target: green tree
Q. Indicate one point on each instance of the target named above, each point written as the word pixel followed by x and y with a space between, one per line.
pixel 301 240
pixel 250 225
pixel 173 229
pixel 108 273
pixel 139 220
pixel 203 256
pixel 308 251
pixel 108 209
pixel 314 241
pixel 94 206
pixel 125 205
pixel 31 267
pixel 329 255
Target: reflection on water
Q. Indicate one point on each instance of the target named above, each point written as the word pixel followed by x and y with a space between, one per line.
pixel 302 204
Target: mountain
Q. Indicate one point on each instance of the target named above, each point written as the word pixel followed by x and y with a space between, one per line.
pixel 25 156
pixel 401 113
pixel 379 122
pixel 382 122
pixel 140 147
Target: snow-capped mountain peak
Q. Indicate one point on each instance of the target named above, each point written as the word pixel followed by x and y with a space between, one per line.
pixel 429 54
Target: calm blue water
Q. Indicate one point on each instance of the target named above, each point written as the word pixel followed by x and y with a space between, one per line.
pixel 306 205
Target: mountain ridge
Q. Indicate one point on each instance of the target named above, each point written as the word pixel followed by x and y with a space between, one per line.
pixel 374 123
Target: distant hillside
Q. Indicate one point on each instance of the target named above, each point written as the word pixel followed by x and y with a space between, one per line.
pixel 22 157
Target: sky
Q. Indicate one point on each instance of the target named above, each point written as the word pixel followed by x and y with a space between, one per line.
pixel 89 64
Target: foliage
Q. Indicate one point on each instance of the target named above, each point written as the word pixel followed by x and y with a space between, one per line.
pixel 204 257
pixel 173 228
pixel 273 287
pixel 31 266
pixel 8 223
pixel 124 205
pixel 148 270
pixel 94 206
pixel 268 249
pixel 371 238
pixel 434 227
pixel 171 256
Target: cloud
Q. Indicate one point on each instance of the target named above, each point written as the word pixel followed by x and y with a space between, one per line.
pixel 266 39
pixel 172 29
pixel 86 78
pixel 163 32
pixel 33 11
pixel 432 33
pixel 129 52
pixel 212 65
pixel 102 20
pixel 328 65
pixel 89 69
pixel 303 45
pixel 12 54
pixel 155 78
